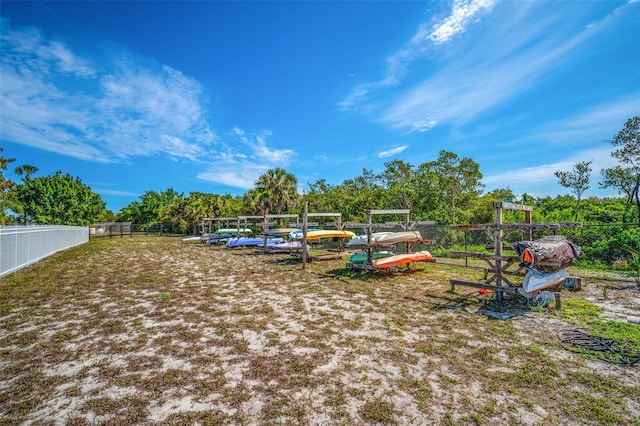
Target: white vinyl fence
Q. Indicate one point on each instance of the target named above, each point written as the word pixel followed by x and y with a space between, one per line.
pixel 23 245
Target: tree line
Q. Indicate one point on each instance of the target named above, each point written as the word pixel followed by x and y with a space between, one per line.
pixel 447 190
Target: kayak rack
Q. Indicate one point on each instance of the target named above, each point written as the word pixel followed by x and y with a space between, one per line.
pixel 498 263
pixel 370 226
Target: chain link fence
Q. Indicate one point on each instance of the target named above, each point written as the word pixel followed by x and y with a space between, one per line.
pixel 611 251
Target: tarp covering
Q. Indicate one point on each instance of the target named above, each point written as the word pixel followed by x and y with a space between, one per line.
pixel 548 254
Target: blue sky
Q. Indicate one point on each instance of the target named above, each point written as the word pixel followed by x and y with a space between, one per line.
pixel 207 96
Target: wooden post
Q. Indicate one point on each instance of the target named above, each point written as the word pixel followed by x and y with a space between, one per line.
pixel 497 242
pixel 527 219
pixel 304 235
pixel 369 232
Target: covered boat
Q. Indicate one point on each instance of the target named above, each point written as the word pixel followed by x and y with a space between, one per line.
pixel 548 254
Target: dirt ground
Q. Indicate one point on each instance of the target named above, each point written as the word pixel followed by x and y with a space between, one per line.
pixel 154 331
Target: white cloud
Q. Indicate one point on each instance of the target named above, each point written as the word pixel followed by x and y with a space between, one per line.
pixel 463 11
pixel 439 77
pixel 538 180
pixel 53 99
pixel 119 109
pixel 391 152
pixel 246 158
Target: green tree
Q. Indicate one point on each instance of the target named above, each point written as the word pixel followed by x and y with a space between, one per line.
pixel 186 213
pixel 7 195
pixel 27 170
pixel 482 210
pixel 149 210
pixel 59 199
pixel 576 179
pixel 626 179
pixel 458 180
pixel 276 191
pixel 398 180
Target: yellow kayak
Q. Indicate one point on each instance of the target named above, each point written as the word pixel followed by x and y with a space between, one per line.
pixel 328 233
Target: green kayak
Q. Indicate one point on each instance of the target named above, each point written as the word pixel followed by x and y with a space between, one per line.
pixel 362 257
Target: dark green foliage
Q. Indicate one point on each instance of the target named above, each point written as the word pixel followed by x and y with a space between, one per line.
pixel 275 192
pixel 150 208
pixel 59 199
pixel 609 245
pixel 7 199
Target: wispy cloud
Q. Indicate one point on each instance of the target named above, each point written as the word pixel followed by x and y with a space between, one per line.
pixel 462 12
pixel 56 100
pixel 247 157
pixel 573 131
pixel 442 75
pixel 118 109
pixel 428 35
pixel 594 124
pixel 391 152
pixel 530 179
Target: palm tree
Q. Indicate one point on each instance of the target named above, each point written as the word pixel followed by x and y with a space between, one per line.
pixel 27 169
pixel 277 191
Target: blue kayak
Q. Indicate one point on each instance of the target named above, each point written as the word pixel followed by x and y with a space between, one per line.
pixel 252 242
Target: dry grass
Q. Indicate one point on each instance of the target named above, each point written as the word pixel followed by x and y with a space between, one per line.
pixel 153 331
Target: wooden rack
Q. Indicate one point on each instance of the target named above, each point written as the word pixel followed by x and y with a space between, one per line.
pixel 371 226
pixel 498 263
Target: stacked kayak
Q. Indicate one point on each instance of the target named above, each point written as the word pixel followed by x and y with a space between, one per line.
pixel 361 240
pixel 277 232
pixel 252 242
pixel 285 246
pixel 318 234
pixel 219 238
pixel 362 257
pixel 296 234
pixel 402 259
pixel 233 231
pixel 399 237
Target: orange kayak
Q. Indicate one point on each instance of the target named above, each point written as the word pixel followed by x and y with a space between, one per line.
pixel 402 259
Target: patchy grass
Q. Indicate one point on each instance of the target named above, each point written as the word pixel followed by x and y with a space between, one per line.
pixel 150 330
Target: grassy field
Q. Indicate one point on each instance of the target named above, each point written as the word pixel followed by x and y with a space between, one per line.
pixel 149 330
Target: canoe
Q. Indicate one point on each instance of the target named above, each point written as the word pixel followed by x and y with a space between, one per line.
pixel 362 257
pixel 233 231
pixel 328 233
pixel 361 240
pixel 402 259
pixel 399 237
pixel 536 280
pixel 251 242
